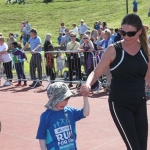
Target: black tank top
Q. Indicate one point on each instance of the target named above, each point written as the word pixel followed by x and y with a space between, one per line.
pixel 128 73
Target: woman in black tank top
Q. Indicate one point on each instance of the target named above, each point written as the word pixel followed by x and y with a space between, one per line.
pixel 130 68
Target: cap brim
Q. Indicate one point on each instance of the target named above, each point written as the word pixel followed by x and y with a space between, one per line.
pixel 51 103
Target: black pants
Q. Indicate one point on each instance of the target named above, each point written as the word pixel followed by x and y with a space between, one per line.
pixel 8 70
pixel 74 64
pixel 132 123
pixel 50 72
pixel 35 63
pixel 20 72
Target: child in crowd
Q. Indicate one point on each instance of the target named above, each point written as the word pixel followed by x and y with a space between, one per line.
pixel 18 57
pixel 57 128
pixel 23 38
pixel 50 69
pixel 60 63
pixel 59 38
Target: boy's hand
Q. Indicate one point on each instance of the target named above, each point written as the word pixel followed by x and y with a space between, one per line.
pixel 85 90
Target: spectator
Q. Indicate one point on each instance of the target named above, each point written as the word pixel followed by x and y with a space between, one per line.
pixel 36 59
pixel 117 36
pixel 96 25
pixel 75 30
pixel 62 28
pixel 112 34
pixel 23 38
pixel 82 28
pixel 49 56
pixel 22 27
pixel 88 32
pixel 94 38
pixel 59 38
pixel 60 63
pixel 104 26
pixel 10 40
pixel 27 29
pixel 18 59
pixel 103 44
pixel 50 68
pixel 48 40
pixel 6 59
pixel 66 38
pixel 86 47
pixel 73 58
pixel 135 7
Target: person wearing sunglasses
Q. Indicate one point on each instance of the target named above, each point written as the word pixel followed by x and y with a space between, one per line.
pixel 86 47
pixel 73 59
pixel 130 69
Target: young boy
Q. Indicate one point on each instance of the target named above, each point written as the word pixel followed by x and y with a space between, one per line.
pixel 59 38
pixel 57 129
pixel 18 57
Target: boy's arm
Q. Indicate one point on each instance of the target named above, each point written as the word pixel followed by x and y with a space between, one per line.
pixel 42 144
pixel 86 107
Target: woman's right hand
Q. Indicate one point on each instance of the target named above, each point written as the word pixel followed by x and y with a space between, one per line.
pixel 85 90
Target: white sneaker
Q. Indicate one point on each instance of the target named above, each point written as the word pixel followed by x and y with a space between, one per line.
pixel 6 83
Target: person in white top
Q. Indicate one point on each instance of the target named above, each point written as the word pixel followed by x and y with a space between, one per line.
pixel 82 28
pixel 75 30
pixel 6 59
pixel 62 28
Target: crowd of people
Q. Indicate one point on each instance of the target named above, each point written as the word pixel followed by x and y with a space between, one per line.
pixel 81 39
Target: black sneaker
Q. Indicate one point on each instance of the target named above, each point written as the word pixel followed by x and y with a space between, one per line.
pixel 32 84
pixel 70 85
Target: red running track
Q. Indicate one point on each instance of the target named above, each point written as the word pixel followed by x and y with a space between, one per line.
pixel 20 109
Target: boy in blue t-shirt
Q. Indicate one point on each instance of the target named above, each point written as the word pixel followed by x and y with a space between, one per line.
pixel 57 128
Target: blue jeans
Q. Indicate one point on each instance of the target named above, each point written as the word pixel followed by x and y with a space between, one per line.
pixel 20 72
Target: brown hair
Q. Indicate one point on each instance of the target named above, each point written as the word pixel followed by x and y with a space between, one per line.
pixel 2 38
pixel 134 20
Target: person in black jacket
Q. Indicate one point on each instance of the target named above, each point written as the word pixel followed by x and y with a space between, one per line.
pixel 50 69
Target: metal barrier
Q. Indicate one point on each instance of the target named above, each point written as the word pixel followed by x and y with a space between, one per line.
pixel 46 67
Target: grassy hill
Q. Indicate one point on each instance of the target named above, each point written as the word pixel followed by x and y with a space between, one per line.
pixel 46 17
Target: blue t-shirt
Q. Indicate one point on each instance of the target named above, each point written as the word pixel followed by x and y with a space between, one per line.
pixel 59 39
pixel 34 42
pixel 58 128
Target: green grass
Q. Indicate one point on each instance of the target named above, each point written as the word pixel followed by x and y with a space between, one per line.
pixel 46 17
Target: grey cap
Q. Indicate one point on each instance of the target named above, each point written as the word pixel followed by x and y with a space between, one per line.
pixel 56 93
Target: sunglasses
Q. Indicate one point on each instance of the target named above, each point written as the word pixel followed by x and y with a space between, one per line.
pixel 129 34
pixel 85 38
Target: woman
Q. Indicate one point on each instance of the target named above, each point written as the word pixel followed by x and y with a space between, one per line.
pixel 86 47
pixel 73 59
pixel 50 70
pixel 104 25
pixel 130 66
pixel 62 28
